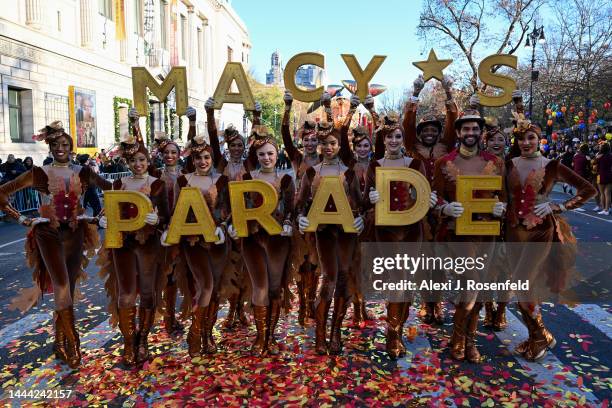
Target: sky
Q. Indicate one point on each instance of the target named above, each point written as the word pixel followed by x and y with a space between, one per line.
pixel 335 27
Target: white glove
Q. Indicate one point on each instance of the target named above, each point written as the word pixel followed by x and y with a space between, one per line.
pixel 355 101
pixel 288 97
pixel 474 101
pixel 231 231
pixel 221 235
pixel 163 238
pixel 369 102
pixel 325 98
pixel 190 113
pixel 133 114
pixel 38 220
pixel 542 210
pixel 209 104
pixel 447 82
pixel 454 209
pixel 516 94
pixel 103 222
pixel 151 218
pixel 374 196
pixel 303 223
pixel 358 224
pixel 257 107
pixel 287 230
pixel 499 209
pixel 433 199
pixel 418 85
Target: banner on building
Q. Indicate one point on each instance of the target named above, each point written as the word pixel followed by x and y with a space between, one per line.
pixel 82 105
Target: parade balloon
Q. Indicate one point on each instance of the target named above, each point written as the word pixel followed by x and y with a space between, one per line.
pixel 554 137
pixel 550 122
pixel 607 105
pixel 608 136
pixel 581 113
pixel 601 122
pixel 543 141
pixel 582 126
pixel 572 109
pixel 559 114
pixel 563 109
pixel 548 111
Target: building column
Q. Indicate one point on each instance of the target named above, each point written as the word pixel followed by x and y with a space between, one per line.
pixel 208 68
pixel 191 52
pixel 34 13
pixel 124 44
pixel 87 23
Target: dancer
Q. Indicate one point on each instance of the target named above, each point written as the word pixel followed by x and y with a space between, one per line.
pixel 206 261
pixel 335 248
pixel 469 159
pixel 359 159
pixel 533 218
pixel 428 141
pixel 58 236
pixel 266 255
pixel 234 168
pixel 397 308
pixel 304 245
pixel 171 152
pixel 134 269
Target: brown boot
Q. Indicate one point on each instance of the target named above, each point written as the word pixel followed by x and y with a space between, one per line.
pixel 302 296
pixel 522 347
pixel 59 345
pixel 358 318
pixel 405 315
pixel 231 313
pixel 395 318
pixel 274 314
pixel 321 326
pixel 425 313
pixel 457 341
pixel 145 320
pixel 540 341
pixel 127 325
pixel 173 327
pixel 500 323
pixel 335 343
pixel 208 340
pixel 471 351
pixel 438 313
pixel 194 337
pixel 73 344
pixel 489 315
pixel 261 323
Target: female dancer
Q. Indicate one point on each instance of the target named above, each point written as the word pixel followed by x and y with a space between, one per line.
pixel 532 217
pixel 359 157
pixel 55 244
pixel 335 248
pixel 170 152
pixel 206 261
pixel 265 256
pixel 133 269
pixel 234 169
pixel 300 161
pixel 391 134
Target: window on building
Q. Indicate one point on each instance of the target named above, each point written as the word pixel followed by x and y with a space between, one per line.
pixel 200 49
pixel 15 109
pixel 56 108
pixel 164 24
pixel 59 20
pixel 105 7
pixel 138 18
pixel 184 36
pixel 230 54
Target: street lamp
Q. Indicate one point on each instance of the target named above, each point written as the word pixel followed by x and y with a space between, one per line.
pixel 244 124
pixel 536 35
pixel 275 112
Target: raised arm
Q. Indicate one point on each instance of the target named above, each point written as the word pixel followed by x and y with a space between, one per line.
pixel 449 137
pixel 584 190
pixel 211 125
pixel 290 148
pixel 409 121
pixel 257 114
pixel 326 103
pixel 22 181
pixel 345 153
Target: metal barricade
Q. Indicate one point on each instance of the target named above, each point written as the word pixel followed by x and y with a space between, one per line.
pixel 24 200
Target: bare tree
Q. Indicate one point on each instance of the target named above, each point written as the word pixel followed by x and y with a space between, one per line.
pixel 466 27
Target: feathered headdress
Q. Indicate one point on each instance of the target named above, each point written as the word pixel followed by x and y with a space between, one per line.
pixel 231 134
pixel 361 133
pixel 130 145
pixel 261 135
pixel 523 125
pixel 197 145
pixel 162 140
pixel 325 129
pixel 388 124
pixel 491 128
pixel 51 132
pixel 309 128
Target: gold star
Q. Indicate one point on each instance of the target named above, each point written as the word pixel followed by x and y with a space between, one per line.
pixel 432 68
